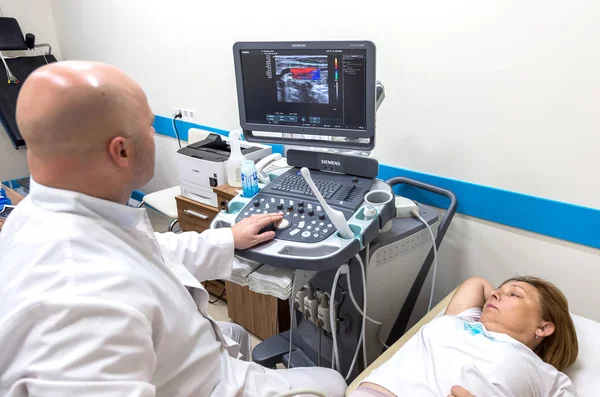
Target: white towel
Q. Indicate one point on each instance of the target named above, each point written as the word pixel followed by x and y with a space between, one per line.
pixel 270 280
pixel 241 269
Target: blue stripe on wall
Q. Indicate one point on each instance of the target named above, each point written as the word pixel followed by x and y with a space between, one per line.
pixel 164 126
pixel 552 218
pixel 11 184
pixel 136 194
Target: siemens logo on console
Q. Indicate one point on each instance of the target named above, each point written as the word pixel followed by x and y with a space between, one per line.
pixel 331 162
pixel 298 45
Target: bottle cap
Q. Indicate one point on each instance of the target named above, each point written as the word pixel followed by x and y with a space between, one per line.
pixel 370 211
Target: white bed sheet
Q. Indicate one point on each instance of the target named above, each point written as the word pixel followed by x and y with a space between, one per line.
pixel 585 373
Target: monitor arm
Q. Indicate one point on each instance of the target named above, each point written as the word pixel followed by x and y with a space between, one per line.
pixel 380 96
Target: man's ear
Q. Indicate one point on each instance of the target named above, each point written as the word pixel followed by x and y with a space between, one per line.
pixel 544 330
pixel 118 149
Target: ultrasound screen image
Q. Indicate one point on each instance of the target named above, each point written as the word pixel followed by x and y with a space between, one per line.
pixel 302 79
pixel 320 88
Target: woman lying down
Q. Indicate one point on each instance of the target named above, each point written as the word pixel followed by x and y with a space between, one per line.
pixel 510 341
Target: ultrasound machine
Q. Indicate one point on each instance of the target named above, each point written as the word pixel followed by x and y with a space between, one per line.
pixel 360 252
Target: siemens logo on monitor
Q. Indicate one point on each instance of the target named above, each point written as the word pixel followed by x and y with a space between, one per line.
pixel 331 162
pixel 298 45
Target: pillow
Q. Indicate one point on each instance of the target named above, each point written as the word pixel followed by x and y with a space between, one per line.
pixel 584 373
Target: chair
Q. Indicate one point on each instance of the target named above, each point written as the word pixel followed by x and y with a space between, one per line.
pixel 163 201
pixel 17 70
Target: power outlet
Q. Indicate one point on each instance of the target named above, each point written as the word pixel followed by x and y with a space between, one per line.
pixel 186 114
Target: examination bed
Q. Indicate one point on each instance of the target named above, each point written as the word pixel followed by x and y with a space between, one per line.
pixel 12 39
pixel 585 373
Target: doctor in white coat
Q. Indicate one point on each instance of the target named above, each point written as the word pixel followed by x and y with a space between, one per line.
pixel 92 301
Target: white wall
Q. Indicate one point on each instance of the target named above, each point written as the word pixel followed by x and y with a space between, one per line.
pixel 497 93
pixel 479 248
pixel 34 16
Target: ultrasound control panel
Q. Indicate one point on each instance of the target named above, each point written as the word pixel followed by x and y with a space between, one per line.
pixel 306 238
pixel 304 219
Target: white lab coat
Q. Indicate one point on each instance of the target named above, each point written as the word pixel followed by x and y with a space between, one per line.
pixel 93 303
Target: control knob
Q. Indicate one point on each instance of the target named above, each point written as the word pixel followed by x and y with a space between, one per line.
pixel 321 216
pixel 283 224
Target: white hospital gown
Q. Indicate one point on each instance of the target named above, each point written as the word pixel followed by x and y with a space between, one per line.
pixel 458 350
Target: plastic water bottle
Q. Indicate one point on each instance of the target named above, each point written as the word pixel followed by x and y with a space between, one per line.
pixel 249 178
pixel 235 161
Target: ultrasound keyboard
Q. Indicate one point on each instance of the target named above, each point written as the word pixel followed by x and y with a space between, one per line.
pixel 296 184
pixel 304 219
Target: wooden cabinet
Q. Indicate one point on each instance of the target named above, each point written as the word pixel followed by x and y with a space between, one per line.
pixel 263 315
pixel 194 215
pixel 224 194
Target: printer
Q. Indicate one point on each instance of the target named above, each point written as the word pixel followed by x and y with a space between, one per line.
pixel 201 166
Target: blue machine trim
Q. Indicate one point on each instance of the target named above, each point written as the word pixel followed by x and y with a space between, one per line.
pixel 561 220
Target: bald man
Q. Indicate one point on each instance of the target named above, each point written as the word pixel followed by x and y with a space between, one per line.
pixel 92 301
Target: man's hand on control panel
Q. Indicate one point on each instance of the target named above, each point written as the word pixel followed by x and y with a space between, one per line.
pixel 246 233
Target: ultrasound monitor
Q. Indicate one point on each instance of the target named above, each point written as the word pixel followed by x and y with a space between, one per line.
pixel 307 88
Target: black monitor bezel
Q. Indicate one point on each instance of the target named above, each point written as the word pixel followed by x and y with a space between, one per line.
pixel 371 83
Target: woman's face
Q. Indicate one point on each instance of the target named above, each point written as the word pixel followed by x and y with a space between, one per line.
pixel 515 309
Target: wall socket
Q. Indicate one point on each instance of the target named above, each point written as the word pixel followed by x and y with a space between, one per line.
pixel 187 114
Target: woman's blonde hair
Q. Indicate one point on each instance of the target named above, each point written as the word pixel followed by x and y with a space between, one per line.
pixel 561 348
